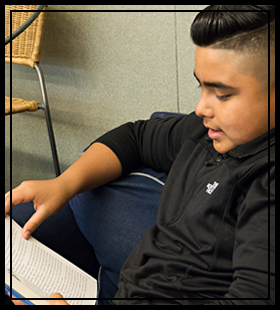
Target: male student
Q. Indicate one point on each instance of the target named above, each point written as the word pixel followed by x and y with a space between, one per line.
pixel 213 243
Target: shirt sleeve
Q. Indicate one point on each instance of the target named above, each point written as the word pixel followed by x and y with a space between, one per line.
pixel 153 144
pixel 254 253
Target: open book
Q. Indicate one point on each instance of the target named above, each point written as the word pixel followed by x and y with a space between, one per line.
pixel 38 272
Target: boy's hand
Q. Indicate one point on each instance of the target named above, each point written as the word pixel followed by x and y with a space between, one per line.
pixel 58 302
pixel 97 166
pixel 48 198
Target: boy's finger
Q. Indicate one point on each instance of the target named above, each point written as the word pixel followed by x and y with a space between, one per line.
pixel 18 196
pixel 7 203
pixel 33 223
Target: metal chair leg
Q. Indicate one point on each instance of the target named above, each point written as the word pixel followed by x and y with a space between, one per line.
pixel 45 107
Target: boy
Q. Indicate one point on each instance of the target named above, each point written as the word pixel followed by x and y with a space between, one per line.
pixel 210 245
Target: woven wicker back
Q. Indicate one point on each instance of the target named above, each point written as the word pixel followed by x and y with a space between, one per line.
pixel 27 46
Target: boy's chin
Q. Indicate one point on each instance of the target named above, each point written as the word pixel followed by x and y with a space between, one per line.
pixel 223 146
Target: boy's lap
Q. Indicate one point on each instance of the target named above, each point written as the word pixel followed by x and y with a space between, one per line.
pixel 102 226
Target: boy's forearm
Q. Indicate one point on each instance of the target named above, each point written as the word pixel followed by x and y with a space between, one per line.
pixel 96 167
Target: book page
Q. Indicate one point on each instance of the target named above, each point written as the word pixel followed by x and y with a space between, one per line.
pixel 24 291
pixel 43 271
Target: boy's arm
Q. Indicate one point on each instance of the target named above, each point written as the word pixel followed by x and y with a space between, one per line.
pixel 153 144
pixel 97 166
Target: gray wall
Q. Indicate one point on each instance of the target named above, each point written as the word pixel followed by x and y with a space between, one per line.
pixel 102 69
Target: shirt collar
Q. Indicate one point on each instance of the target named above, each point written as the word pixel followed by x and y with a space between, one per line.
pixel 255 146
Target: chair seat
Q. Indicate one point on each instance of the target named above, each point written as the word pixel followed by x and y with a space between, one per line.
pixel 20 105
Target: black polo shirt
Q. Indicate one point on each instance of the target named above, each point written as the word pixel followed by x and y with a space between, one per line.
pixel 211 242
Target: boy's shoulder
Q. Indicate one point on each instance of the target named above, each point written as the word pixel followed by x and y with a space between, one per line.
pixel 188 125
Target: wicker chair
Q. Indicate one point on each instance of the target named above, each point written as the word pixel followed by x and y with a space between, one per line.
pixel 26 51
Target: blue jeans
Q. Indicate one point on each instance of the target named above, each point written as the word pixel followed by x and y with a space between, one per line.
pixel 98 230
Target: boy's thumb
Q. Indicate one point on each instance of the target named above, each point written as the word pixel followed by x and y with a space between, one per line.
pixel 57 302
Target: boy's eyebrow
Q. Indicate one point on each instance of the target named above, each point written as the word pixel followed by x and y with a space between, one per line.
pixel 214 84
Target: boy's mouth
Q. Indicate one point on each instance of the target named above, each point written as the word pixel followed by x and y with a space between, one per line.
pixel 215 134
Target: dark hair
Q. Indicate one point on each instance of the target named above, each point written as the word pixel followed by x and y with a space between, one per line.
pixel 218 23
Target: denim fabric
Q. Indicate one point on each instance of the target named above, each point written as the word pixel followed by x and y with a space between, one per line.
pixel 113 219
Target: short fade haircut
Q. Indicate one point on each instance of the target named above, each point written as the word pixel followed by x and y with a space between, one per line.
pixel 231 27
pixel 228 27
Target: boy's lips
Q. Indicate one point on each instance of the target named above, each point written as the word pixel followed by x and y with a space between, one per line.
pixel 214 134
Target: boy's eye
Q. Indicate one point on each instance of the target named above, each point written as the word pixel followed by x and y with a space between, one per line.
pixel 223 98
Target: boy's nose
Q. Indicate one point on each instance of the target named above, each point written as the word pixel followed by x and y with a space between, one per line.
pixel 203 108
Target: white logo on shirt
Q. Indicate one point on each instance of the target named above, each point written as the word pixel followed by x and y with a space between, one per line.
pixel 211 188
